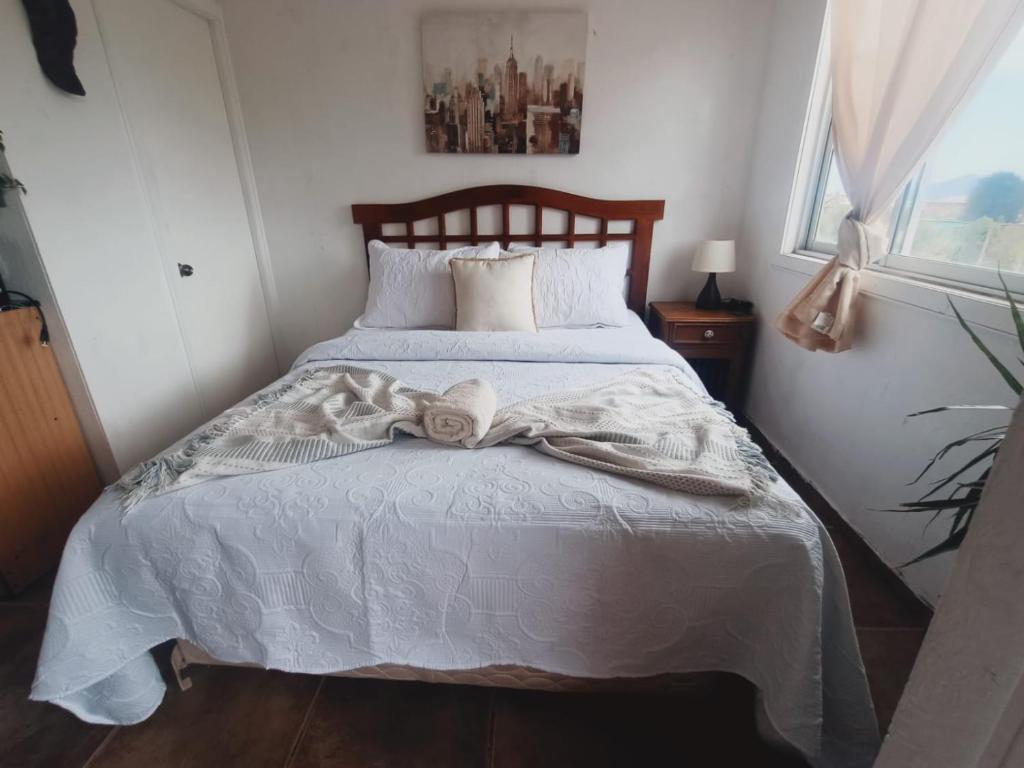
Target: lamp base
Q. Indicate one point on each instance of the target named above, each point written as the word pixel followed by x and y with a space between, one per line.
pixel 709 297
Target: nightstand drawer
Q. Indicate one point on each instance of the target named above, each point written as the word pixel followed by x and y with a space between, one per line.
pixel 711 333
pixel 715 342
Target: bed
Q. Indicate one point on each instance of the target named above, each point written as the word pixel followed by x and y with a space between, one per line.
pixel 492 567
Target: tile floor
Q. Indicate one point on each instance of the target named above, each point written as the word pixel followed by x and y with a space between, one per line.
pixel 252 718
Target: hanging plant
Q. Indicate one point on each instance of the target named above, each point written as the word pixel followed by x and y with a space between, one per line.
pixel 7 181
pixel 958 493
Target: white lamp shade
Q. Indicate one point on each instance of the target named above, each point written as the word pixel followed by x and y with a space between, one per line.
pixel 715 256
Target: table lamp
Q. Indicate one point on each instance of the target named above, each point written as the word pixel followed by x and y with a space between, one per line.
pixel 713 256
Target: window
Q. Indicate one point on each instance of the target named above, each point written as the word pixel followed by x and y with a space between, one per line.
pixel 962 215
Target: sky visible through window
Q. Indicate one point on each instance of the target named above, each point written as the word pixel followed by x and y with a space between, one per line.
pixel 988 134
pixel 969 210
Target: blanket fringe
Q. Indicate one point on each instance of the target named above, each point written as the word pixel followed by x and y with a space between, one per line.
pixel 762 473
pixel 158 474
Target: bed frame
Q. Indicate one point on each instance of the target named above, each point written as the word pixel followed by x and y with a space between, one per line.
pixel 640 216
pixel 186 654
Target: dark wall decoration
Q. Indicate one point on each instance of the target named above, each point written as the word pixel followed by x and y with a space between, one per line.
pixel 54 34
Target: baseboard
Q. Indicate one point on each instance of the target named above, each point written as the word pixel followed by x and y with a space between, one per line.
pixel 832 519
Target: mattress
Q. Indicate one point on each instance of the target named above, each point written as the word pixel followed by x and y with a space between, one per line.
pixel 441 558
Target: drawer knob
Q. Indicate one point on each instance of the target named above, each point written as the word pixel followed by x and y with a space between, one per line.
pixel 709 334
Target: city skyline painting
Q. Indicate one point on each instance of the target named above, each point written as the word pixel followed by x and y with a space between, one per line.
pixel 504 83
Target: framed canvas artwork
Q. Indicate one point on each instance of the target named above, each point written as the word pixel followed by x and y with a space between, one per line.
pixel 504 83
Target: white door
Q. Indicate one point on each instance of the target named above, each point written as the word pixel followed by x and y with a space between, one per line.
pixel 168 83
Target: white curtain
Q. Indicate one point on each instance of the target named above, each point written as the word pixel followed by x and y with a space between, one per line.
pixel 900 68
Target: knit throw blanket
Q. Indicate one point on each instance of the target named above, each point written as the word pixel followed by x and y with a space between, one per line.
pixel 643 424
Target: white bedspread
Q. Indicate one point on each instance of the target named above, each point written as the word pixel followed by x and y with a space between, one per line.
pixel 445 558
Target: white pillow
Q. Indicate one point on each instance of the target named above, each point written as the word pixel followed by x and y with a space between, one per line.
pixel 494 294
pixel 412 288
pixel 579 287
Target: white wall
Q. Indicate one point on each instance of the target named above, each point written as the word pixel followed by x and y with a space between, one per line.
pixel 700 102
pixel 87 213
pixel 841 418
pixel 331 94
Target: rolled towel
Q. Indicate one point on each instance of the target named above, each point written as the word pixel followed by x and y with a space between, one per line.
pixel 462 415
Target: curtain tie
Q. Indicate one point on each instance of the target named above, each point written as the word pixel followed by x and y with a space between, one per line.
pixel 859 243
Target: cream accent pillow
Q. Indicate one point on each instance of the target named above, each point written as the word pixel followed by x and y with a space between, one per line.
pixel 494 294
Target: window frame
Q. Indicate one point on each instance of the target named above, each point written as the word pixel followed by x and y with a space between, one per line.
pixel 823 166
pixel 896 261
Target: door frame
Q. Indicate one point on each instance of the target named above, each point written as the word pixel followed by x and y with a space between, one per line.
pixel 214 15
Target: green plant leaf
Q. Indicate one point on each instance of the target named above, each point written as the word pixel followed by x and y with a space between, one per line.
pixel 940 484
pixel 975 484
pixel 976 437
pixel 910 507
pixel 988 451
pixel 929 505
pixel 941 408
pixel 949 544
pixel 1018 321
pixel 967 510
pixel 964 506
pixel 962 516
pixel 958 506
pixel 1003 370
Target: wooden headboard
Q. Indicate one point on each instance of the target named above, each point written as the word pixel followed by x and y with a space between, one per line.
pixel 640 216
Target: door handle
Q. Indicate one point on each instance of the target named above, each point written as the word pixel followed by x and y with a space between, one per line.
pixel 185 270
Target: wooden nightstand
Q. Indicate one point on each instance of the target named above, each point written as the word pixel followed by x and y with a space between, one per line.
pixel 715 342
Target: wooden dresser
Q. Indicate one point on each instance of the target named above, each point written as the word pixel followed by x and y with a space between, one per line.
pixel 47 475
pixel 715 342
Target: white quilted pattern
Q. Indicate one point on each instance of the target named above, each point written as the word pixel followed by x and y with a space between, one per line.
pixel 443 558
pixel 412 288
pixel 579 287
